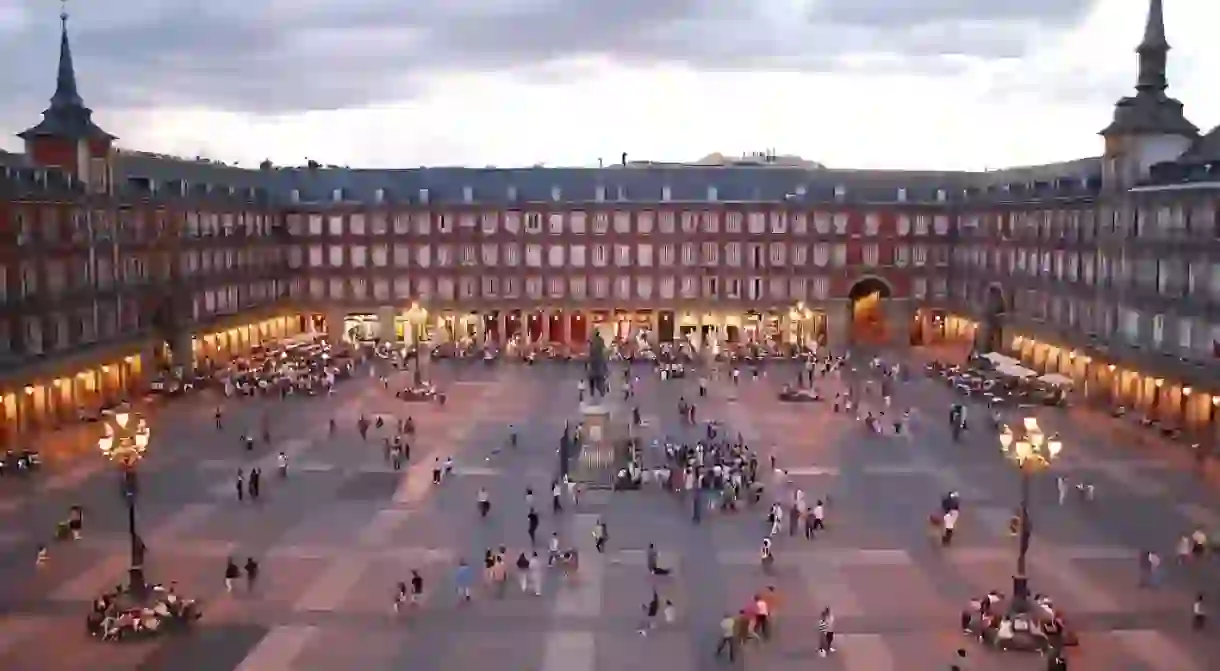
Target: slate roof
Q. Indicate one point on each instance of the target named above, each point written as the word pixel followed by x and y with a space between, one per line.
pixel 647 184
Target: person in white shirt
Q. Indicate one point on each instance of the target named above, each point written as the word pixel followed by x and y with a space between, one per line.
pixel 949 524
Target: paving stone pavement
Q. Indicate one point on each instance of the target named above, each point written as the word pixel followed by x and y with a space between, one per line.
pixel 335 537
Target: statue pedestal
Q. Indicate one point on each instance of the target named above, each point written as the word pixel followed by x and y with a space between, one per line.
pixel 597 463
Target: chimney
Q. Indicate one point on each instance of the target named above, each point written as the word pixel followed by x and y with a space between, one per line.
pixel 624 159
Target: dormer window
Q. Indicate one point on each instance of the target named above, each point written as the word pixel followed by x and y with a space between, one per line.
pixel 337 195
pixel 379 196
pixel 941 195
pixel 512 193
pixel 556 194
pixel 801 191
pixel 666 193
pixel 423 196
pixel 622 193
pixel 600 194
pixel 468 194
pixel 840 192
pixel 295 196
pixel 902 194
pixel 711 194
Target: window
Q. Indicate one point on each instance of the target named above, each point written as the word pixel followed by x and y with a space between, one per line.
pixel 667 255
pixel 423 223
pixel 622 255
pixel 601 223
pixel 666 223
pixel 490 255
pixel 555 223
pixel 903 225
pixel 690 222
pixel 821 223
pixel 732 254
pixel 756 223
pixel 622 223
pixel 533 256
pixel 872 223
pixel 643 255
pixel 778 254
pixel 710 253
pixel 576 256
pixel 555 256
pixel 940 224
pixel 643 222
pixel 577 222
pixel 622 287
pixel 489 222
pixel 690 254
pixel 512 222
pixel 355 224
pixel 871 255
pixel 732 222
pixel 533 223
pixel 667 288
pixel 779 223
pixel 711 222
pixel 600 256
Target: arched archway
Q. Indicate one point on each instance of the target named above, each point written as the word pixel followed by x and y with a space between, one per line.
pixel 866 301
pixel 995 308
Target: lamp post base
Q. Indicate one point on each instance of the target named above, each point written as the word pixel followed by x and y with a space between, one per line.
pixel 1020 593
pixel 137 586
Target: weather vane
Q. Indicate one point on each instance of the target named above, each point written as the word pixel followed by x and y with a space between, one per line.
pixel 63 10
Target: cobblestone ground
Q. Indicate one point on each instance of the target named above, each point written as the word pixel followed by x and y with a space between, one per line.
pixel 335 537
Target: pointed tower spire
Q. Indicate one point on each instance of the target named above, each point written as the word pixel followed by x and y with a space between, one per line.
pixel 66 94
pixel 67 118
pixel 1150 111
pixel 1153 51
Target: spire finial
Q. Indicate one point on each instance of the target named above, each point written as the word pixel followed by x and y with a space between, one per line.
pixel 1153 51
pixel 66 94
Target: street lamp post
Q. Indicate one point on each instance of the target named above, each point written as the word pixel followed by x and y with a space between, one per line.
pixel 124 440
pixel 414 315
pixel 1032 452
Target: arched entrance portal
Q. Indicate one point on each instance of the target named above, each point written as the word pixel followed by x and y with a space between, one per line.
pixel 995 308
pixel 867 304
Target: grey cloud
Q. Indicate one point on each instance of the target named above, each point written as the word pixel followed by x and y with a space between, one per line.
pixel 274 56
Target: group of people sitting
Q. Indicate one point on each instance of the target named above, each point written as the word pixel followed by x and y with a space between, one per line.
pixel 115 617
pixel 1040 627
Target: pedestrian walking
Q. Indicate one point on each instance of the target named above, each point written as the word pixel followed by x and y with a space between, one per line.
pixel 251 573
pixel 231 573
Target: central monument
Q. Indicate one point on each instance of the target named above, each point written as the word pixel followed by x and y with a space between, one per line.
pixel 596 367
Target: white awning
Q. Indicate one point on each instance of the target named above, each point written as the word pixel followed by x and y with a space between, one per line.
pixel 1014 370
pixel 1057 380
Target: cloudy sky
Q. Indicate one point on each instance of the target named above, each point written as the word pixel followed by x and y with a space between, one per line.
pixel 850 83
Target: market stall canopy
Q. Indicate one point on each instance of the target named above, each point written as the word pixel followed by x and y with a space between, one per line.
pixel 1000 360
pixel 1014 370
pixel 1057 380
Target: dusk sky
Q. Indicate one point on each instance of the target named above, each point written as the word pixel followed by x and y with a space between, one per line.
pixel 386 83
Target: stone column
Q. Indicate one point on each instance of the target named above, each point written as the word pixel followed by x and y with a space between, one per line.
pixel 837 325
pixel 334 325
pixel 899 317
pixel 502 327
pixel 385 325
pixel 546 326
pixel 566 328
